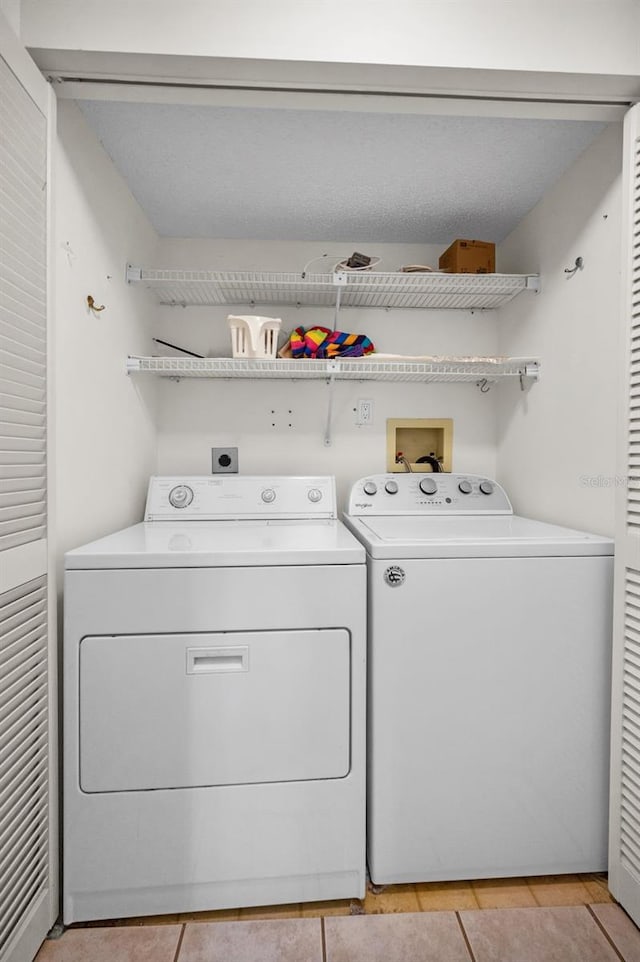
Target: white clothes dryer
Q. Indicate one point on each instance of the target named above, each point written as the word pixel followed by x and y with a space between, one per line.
pixel 214 703
pixel 489 678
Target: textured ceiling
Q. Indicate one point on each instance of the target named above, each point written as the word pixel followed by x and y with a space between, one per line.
pixel 273 174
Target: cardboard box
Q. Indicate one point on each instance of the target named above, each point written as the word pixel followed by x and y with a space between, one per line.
pixel 469 257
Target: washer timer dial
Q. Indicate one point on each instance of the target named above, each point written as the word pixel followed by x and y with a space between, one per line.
pixel 428 486
pixel 181 496
pixel 268 496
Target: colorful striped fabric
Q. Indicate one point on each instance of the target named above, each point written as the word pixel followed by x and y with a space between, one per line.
pixel 321 342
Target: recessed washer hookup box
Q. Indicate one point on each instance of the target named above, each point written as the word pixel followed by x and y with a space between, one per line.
pixel 469 257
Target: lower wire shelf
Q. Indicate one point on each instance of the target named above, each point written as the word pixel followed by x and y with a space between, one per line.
pixel 450 369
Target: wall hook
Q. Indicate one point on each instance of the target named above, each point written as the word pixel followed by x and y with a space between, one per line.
pixel 484 385
pixel 91 304
pixel 579 265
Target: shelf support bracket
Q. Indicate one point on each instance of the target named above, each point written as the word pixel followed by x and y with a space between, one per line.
pixel 333 368
pixel 531 371
pixel 133 274
pixel 339 281
pixel 533 283
pixel 133 365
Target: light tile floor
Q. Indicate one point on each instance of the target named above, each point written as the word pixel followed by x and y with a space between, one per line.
pixel 547 919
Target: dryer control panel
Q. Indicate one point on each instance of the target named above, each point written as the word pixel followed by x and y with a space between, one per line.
pixel 437 494
pixel 240 497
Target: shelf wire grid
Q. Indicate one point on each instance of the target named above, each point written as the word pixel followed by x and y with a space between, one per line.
pixel 453 369
pixel 367 289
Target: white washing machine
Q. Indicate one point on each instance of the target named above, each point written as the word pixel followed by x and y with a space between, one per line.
pixel 489 676
pixel 214 703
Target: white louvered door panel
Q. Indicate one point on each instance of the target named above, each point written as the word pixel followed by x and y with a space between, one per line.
pixel 23 316
pixel 24 802
pixel 27 895
pixel 624 843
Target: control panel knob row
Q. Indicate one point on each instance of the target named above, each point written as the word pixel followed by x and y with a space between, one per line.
pixel 428 486
pixel 391 487
pixel 370 488
pixel 486 487
pixel 464 487
pixel 181 496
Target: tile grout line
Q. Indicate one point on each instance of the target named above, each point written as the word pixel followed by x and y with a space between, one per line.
pixel 604 932
pixel 179 945
pixel 533 894
pixel 465 937
pixel 323 938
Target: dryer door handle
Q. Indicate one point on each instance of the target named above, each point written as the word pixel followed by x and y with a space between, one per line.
pixel 206 660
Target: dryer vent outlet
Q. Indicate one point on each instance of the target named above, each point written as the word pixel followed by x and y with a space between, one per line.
pixel 224 460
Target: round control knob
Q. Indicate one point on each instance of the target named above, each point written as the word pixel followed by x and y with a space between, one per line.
pixel 464 487
pixel 486 487
pixel 370 488
pixel 391 487
pixel 181 496
pixel 428 486
pixel 268 496
pixel 314 495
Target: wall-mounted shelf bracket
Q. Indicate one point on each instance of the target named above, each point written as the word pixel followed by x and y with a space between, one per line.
pixel 531 370
pixel 133 274
pixel 533 283
pixel 333 367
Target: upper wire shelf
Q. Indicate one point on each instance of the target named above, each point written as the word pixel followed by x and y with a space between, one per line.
pixel 366 289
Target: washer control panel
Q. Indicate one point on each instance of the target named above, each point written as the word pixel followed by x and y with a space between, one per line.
pixel 437 494
pixel 220 497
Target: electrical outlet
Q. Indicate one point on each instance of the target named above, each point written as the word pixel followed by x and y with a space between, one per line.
pixel 364 412
pixel 224 460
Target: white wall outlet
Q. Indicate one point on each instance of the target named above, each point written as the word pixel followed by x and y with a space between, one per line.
pixel 364 412
pixel 224 460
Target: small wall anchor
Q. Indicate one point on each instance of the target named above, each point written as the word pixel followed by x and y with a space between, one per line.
pixel 578 266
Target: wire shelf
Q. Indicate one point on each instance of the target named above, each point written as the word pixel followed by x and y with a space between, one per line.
pixel 366 289
pixel 452 369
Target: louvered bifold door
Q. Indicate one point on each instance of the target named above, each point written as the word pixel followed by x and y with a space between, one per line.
pixel 22 317
pixel 24 802
pixel 26 895
pixel 624 850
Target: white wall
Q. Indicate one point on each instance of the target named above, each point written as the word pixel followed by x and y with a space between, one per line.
pixel 11 10
pixel 556 453
pixel 598 37
pixel 105 422
pixel 197 415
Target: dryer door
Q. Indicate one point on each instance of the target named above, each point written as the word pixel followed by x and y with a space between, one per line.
pixel 180 711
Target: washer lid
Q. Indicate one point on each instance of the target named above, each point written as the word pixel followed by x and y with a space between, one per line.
pixel 205 544
pixel 506 536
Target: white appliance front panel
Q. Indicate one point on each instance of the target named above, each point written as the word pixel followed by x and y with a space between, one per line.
pixel 228 708
pixel 488 718
pixel 196 849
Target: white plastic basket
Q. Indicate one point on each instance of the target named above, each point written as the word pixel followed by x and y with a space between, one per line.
pixel 253 336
